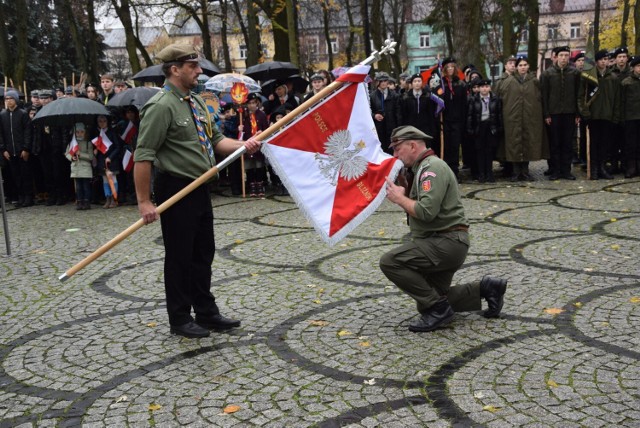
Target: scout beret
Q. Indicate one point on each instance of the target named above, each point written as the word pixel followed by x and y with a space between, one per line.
pixel 578 56
pixel 448 60
pixel 382 76
pixel 475 82
pixel 559 49
pixel 520 59
pixel 45 93
pixel 510 58
pixel 254 96
pixel 415 76
pixel 12 94
pixel 483 82
pixel 620 50
pixel 635 61
pixel 69 90
pixel 601 54
pixel 317 76
pixel 403 133
pixel 178 53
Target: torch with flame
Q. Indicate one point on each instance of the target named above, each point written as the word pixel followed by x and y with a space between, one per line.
pixel 239 93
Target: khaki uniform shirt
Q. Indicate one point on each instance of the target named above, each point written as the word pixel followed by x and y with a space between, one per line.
pixel 439 205
pixel 168 136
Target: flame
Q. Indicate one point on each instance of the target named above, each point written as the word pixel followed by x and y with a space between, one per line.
pixel 239 93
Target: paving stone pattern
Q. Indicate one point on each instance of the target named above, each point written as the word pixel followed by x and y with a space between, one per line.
pixel 324 339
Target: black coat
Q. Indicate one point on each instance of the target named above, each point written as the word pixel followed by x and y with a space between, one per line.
pixel 423 118
pixel 455 100
pixel 16 132
pixel 474 114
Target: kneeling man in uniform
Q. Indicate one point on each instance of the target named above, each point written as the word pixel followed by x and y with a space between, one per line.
pixel 424 267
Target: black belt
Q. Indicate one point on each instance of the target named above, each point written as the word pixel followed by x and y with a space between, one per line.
pixel 456 228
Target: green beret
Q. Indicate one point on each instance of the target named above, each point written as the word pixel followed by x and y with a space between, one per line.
pixel 178 53
pixel 403 133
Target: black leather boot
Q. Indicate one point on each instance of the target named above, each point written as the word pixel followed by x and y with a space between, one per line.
pixel 492 290
pixel 435 317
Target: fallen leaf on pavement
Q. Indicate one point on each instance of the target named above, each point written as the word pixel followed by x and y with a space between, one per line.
pixel 491 409
pixel 344 333
pixel 554 311
pixel 152 324
pixel 319 323
pixel 232 408
pixel 635 299
pixel 552 384
pixel 154 406
pixel 577 304
pixel 370 382
pixel 364 344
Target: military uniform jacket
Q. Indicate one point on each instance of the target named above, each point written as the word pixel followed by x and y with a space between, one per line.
pixel 438 203
pixel 168 136
pixel 631 98
pixel 605 103
pixel 15 135
pixel 559 91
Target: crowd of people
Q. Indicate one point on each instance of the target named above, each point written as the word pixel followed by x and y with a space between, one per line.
pixel 520 118
pixel 53 164
pixel 516 119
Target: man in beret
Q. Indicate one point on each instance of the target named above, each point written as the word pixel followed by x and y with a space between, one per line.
pixel 384 108
pixel 631 116
pixel 424 267
pixel 178 137
pixel 15 146
pixel 559 87
pixel 599 101
pixel 616 156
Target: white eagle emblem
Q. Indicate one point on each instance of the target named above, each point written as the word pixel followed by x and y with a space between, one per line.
pixel 341 161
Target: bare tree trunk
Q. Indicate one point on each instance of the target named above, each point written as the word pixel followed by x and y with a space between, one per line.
pixel 533 12
pixel 92 51
pixel 378 31
pixel 22 45
pixel 351 39
pixel 507 28
pixel 636 24
pixel 466 31
pixel 223 36
pixel 206 34
pixel 625 19
pixel 5 49
pixel 75 35
pixel 448 29
pixel 596 27
pixel 294 54
pixel 364 9
pixel 141 48
pixel 124 13
pixel 327 36
pixel 276 11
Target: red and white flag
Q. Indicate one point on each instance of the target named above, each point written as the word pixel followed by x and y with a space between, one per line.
pixel 129 133
pixel 74 148
pixel 127 161
pixel 102 142
pixel 331 161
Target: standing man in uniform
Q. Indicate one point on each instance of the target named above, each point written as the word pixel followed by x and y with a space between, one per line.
pixel 424 267
pixel 559 85
pixel 178 136
pixel 384 108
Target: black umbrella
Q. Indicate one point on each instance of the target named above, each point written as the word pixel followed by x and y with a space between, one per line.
pixel 133 97
pixel 271 70
pixel 154 73
pixel 68 111
pixel 299 85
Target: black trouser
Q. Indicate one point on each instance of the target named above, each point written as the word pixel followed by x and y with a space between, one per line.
pixel 599 137
pixel 187 232
pixel 485 145
pixel 582 142
pixel 53 169
pixel 452 139
pixel 21 173
pixel 632 147
pixel 616 155
pixel 561 133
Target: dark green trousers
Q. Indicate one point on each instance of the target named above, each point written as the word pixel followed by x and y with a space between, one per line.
pixel 424 270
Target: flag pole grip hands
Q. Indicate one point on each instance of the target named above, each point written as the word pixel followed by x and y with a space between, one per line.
pixel 388 48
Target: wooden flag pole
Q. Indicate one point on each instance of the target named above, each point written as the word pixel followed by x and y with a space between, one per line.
pixel 73 83
pixel 587 131
pixel 389 48
pixel 26 94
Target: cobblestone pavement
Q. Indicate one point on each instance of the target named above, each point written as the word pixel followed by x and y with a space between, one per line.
pixel 324 339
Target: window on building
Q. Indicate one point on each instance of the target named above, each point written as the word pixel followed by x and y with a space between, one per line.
pixel 524 36
pixel 243 51
pixel 424 40
pixel 575 30
pixel 495 70
pixel 312 45
pixel 552 31
pixel 334 45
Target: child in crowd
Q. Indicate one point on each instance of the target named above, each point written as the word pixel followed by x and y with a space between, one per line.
pixel 484 123
pixel 254 120
pixel 108 150
pixel 80 153
pixel 229 128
